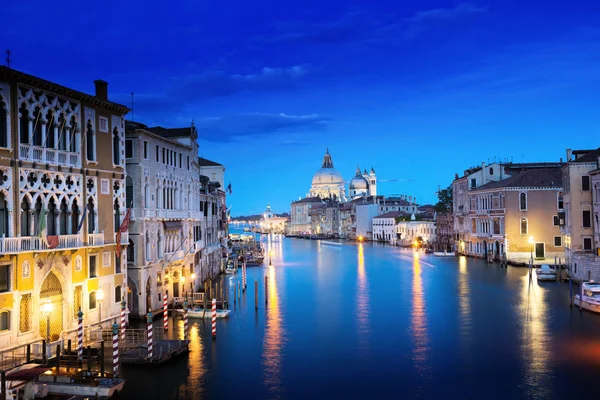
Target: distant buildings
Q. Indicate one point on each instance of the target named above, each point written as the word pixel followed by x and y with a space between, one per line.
pixel 270 223
pixel 421 231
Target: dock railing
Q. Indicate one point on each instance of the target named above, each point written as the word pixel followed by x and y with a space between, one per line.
pixel 134 338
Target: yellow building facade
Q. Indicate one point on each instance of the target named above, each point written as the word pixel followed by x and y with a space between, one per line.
pixel 62 164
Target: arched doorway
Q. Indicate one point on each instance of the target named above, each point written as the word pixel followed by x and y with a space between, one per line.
pixel 485 249
pixel 496 250
pixel 51 292
pixel 132 298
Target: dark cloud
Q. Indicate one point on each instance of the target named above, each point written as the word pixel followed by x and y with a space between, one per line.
pixel 231 127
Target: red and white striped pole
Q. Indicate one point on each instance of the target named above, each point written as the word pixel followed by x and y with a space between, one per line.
pixel 185 319
pixel 80 335
pixel 115 332
pixel 214 318
pixel 244 276
pixel 150 339
pixel 165 313
pixel 123 306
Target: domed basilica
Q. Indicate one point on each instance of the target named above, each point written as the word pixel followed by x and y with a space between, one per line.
pixel 329 183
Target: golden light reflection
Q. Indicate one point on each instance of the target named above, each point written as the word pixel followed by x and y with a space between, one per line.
pixel 419 322
pixel 464 302
pixel 191 389
pixel 362 300
pixel 536 341
pixel 274 337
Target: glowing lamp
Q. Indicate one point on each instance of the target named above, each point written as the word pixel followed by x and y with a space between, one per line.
pixel 47 307
pixel 100 294
pixel 182 279
pixel 531 241
pixel 193 276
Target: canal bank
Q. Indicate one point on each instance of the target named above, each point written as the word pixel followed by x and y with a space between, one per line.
pixel 367 319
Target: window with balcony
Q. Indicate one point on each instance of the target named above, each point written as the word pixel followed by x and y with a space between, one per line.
pixel 91 220
pixel 523 201
pixel 585 182
pixel 62 138
pixel 73 136
pixel 37 127
pixel 4 139
pixel 5 278
pixel 90 138
pixel 50 218
pixel 524 226
pixel 23 124
pixel 93 266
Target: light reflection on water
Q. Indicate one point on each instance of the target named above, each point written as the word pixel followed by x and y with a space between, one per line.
pixel 418 328
pixel 362 301
pixel 196 367
pixel 464 304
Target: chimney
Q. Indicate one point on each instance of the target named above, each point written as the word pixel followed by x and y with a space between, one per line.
pixel 455 176
pixel 568 155
pixel 101 89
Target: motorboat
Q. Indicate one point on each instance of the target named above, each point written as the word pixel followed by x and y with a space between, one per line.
pixel 81 385
pixel 589 297
pixel 546 273
pixel 199 312
pixel 230 269
pixel 20 382
pixel 443 254
pixel 330 243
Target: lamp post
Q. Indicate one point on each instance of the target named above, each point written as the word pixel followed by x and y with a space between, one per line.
pixel 531 242
pixel 47 309
pixel 100 297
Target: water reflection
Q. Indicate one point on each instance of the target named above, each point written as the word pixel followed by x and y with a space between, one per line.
pixel 274 338
pixel 464 304
pixel 419 323
pixel 362 301
pixel 193 388
pixel 535 341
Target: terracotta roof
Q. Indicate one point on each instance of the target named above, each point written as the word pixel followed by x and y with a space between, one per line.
pixel 308 200
pixel 543 177
pixel 392 214
pixel 203 162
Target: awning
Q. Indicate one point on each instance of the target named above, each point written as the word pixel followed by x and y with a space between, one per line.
pixel 26 374
pixel 173 225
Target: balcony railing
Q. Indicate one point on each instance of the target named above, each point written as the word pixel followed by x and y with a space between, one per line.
pixel 50 156
pixel 149 213
pixel 174 256
pixel 96 239
pixel 35 243
pixel 176 214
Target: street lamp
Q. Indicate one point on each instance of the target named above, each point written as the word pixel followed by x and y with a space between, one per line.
pixel 47 308
pixel 531 242
pixel 99 298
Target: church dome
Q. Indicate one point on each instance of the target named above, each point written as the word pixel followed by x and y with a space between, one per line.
pixel 359 183
pixel 327 176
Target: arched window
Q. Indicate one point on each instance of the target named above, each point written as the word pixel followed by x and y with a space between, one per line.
pixel 4 320
pixel 117 211
pixel 146 193
pixel 90 137
pixel 74 136
pixel 74 217
pixel 24 125
pixel 118 294
pixel 38 213
pixel 63 218
pixel 25 217
pixel 62 137
pixel 524 226
pixel 116 147
pixel 523 201
pixel 50 220
pixel 50 142
pixel 159 246
pixel 4 224
pixel 37 127
pixel 3 125
pixel 130 251
pixel 25 313
pixel 128 191
pixel 91 220
pixel 148 248
pixel 92 301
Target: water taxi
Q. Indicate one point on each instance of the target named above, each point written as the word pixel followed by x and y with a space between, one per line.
pixel 589 296
pixel 546 273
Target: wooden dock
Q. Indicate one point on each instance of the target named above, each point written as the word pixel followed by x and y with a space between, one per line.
pixel 164 350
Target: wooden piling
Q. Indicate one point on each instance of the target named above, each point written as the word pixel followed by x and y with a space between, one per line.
pixel 102 358
pixel 234 294
pixel 266 289
pixel 571 291
pixel 58 359
pixel 28 352
pixel 3 385
pixel 239 291
pixel 44 353
pixel 205 295
pixel 69 346
pixel 256 295
pixel 89 359
pixel 581 296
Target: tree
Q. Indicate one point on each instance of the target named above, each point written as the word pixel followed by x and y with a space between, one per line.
pixel 444 203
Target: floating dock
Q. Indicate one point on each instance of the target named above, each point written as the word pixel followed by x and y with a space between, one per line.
pixel 164 350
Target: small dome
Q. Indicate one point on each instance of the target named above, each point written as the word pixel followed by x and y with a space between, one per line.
pixel 359 183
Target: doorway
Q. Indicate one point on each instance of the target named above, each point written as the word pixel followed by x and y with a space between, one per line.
pixel 51 293
pixel 540 250
pixel 175 289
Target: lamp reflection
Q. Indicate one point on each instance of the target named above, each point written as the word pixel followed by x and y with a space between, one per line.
pixel 274 337
pixel 196 365
pixel 362 300
pixel 418 321
pixel 464 302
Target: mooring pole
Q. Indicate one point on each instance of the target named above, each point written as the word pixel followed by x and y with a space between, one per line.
pixel 266 289
pixel 256 295
pixel 102 358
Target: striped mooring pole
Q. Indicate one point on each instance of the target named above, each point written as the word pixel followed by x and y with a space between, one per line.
pixel 149 317
pixel 244 276
pixel 123 306
pixel 80 335
pixel 115 332
pixel 214 318
pixel 185 319
pixel 165 313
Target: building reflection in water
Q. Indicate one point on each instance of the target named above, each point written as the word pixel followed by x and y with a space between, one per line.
pixel 418 328
pixel 464 305
pixel 274 337
pixel 362 301
pixel 193 388
pixel 535 342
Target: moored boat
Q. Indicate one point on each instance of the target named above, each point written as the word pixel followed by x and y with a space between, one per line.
pixel 546 273
pixel 330 243
pixel 589 297
pixel 443 254
pixel 199 312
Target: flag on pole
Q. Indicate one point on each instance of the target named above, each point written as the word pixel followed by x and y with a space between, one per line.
pixel 50 241
pixel 123 228
pixel 229 188
pixel 80 225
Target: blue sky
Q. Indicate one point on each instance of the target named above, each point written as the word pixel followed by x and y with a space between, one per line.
pixel 417 90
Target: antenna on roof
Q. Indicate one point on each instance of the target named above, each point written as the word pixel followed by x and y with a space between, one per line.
pixel 132 104
pixel 8 58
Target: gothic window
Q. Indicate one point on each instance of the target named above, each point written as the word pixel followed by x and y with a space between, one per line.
pixel 3 125
pixel 148 247
pixel 74 217
pixel 523 226
pixel 37 214
pixel 146 193
pixel 118 295
pixel 90 137
pixel 25 313
pixel 4 224
pixel 117 210
pixel 523 201
pixel 63 219
pixel 130 251
pixel 37 127
pixel 62 135
pixel 159 246
pixel 91 222
pixel 73 148
pixel 50 220
pixel 24 125
pixel 25 217
pixel 128 191
pixel 116 144
pixel 50 144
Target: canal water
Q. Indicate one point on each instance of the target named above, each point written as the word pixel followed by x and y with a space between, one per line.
pixel 368 320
